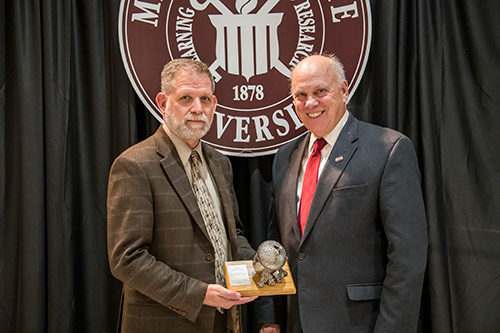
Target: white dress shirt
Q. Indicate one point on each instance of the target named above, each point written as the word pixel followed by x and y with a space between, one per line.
pixel 331 139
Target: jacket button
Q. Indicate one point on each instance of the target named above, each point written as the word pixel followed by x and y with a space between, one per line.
pixel 301 256
pixel 209 257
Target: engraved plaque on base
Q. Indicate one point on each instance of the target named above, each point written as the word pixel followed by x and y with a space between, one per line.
pixel 246 285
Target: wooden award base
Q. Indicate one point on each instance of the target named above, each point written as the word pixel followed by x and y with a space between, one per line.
pixel 252 289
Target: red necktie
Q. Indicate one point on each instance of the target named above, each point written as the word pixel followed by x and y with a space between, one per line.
pixel 309 184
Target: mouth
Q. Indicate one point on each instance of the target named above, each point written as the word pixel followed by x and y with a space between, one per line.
pixel 315 115
pixel 196 120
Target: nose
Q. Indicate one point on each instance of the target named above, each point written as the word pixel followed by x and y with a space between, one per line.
pixel 311 102
pixel 196 107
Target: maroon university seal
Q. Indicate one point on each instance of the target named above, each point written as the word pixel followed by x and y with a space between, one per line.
pixel 250 46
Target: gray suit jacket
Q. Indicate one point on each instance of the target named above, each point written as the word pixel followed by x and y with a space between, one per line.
pixel 158 245
pixel 360 264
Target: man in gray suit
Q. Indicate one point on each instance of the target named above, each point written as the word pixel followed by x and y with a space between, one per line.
pixel 164 242
pixel 357 240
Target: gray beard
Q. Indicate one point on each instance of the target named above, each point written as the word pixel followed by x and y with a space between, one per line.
pixel 180 129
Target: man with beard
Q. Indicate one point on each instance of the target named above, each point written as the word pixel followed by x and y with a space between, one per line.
pixel 173 216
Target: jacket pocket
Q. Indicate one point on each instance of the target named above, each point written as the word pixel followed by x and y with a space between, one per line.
pixel 350 190
pixel 364 291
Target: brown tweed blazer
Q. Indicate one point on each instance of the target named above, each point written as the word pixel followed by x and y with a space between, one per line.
pixel 158 245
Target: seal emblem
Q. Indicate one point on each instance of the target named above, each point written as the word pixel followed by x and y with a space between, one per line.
pixel 250 46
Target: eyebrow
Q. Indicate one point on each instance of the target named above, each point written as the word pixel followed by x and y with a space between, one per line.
pixel 297 92
pixel 314 89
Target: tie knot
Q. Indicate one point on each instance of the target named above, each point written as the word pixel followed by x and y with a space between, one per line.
pixel 195 158
pixel 319 144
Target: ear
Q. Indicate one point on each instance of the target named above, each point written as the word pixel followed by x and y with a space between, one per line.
pixel 345 90
pixel 161 101
pixel 215 103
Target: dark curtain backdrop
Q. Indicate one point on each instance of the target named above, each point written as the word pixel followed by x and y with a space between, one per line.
pixel 67 110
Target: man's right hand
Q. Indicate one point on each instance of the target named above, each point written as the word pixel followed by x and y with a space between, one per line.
pixel 218 296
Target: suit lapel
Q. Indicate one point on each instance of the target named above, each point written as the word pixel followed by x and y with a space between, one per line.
pixel 289 190
pixel 339 158
pixel 220 184
pixel 226 200
pixel 175 171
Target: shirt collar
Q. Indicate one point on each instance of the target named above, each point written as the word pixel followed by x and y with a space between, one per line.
pixel 331 137
pixel 182 148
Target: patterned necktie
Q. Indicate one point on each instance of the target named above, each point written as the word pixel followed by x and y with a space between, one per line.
pixel 310 182
pixel 214 225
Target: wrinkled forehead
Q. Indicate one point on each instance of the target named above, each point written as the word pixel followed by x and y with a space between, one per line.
pixel 312 78
pixel 190 79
